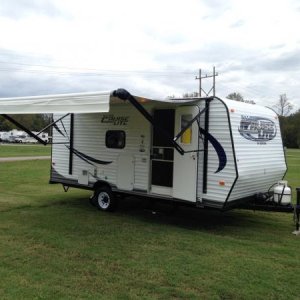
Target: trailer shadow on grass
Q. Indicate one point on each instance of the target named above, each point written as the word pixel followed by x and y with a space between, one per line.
pixel 162 213
pixel 189 217
pixel 185 217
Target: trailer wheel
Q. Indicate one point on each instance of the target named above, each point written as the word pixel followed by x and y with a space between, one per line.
pixel 104 199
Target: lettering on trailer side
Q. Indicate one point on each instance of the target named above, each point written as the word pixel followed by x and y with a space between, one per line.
pixel 115 120
pixel 257 129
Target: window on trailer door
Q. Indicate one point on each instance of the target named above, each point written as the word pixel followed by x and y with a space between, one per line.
pixel 186 137
pixel 115 139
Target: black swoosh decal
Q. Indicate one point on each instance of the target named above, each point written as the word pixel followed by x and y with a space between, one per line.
pixel 58 130
pixel 80 156
pixel 219 149
pixel 62 123
pixel 88 158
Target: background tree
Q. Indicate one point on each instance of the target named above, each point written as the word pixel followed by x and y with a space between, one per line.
pixel 190 95
pixel 236 96
pixel 33 122
pixel 290 130
pixel 283 107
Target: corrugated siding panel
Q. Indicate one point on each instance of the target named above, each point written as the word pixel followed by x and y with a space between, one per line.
pixel 259 165
pixel 141 172
pixel 219 129
pixel 60 153
pixel 89 138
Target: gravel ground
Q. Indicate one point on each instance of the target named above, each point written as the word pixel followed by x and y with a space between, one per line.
pixel 5 159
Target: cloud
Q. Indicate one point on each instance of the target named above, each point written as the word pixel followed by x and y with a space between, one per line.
pixel 262 81
pixel 216 8
pixel 237 24
pixel 215 53
pixel 28 78
pixel 22 8
pixel 150 47
pixel 262 62
pixel 285 62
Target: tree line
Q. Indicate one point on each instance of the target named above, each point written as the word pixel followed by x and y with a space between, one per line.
pixel 290 130
pixel 289 122
pixel 33 122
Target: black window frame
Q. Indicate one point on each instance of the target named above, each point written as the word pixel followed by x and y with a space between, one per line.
pixel 115 145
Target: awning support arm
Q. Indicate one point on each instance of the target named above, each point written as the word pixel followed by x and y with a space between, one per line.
pixel 54 122
pixel 29 132
pixel 189 124
pixel 125 95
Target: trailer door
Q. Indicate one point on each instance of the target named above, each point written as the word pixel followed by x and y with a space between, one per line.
pixel 185 166
pixel 162 153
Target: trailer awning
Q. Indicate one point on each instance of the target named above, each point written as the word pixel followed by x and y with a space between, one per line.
pixel 63 103
pixel 92 102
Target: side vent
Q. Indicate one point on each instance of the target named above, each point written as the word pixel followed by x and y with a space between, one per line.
pixel 83 177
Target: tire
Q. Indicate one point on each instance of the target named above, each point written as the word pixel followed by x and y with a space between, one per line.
pixel 104 199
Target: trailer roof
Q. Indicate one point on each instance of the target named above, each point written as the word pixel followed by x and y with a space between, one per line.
pixel 92 102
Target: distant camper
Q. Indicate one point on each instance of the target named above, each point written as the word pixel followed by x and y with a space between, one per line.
pixel 17 136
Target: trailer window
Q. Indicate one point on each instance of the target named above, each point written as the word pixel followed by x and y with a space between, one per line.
pixel 115 139
pixel 186 137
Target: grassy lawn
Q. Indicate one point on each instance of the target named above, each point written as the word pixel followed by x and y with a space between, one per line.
pixel 56 245
pixel 16 150
pixel 293 174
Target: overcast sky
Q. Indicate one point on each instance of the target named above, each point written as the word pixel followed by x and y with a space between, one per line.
pixel 152 48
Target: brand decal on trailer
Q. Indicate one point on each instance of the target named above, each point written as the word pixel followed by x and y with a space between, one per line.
pixel 257 129
pixel 111 119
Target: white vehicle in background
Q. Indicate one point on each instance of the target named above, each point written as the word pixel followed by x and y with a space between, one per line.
pixel 17 136
pixel 43 135
pixel 5 137
pixel 25 138
pixel 2 135
pixel 9 136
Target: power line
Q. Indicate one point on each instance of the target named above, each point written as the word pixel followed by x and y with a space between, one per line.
pixel 213 88
pixel 97 72
pixel 91 74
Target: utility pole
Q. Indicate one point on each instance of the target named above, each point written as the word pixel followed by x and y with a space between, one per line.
pixel 213 88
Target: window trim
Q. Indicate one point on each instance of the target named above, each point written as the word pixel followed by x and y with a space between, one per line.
pixel 186 130
pixel 123 139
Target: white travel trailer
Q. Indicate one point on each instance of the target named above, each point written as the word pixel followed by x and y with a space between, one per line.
pixel 26 138
pixel 208 152
pixel 4 136
pixel 13 134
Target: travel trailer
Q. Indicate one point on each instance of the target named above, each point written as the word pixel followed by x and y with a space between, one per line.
pixel 207 152
pixel 26 138
pixel 16 136
pixel 4 136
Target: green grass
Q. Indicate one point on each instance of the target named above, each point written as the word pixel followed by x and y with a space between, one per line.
pixel 15 150
pixel 293 174
pixel 55 245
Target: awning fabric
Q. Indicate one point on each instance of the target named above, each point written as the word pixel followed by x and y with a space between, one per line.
pixel 92 102
pixel 63 103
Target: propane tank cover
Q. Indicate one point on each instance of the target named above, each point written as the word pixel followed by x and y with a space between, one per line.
pixel 282 193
